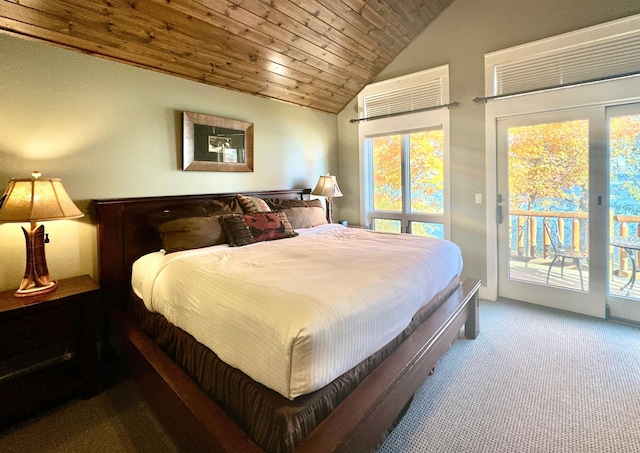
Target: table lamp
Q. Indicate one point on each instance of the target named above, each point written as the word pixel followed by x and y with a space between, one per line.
pixel 35 200
pixel 328 187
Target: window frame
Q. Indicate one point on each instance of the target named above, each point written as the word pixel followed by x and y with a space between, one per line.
pixel 413 122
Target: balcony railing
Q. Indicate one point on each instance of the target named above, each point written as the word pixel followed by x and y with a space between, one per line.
pixel 528 238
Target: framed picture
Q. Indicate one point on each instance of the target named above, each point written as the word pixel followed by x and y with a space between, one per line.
pixel 211 143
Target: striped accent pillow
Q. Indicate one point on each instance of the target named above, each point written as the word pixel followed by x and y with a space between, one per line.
pixel 251 205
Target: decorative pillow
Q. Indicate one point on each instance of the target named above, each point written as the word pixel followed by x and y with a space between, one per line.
pixel 277 204
pixel 301 213
pixel 305 217
pixel 251 228
pixel 251 205
pixel 191 233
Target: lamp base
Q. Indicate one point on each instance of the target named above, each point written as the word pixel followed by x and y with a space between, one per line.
pixel 329 203
pixel 36 279
pixel 36 290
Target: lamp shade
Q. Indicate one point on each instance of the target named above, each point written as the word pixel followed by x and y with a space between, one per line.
pixel 327 187
pixel 35 199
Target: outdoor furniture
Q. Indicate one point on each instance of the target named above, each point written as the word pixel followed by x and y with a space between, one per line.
pixel 560 253
pixel 629 245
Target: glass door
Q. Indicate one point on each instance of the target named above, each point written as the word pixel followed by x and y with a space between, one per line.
pixel 550 188
pixel 623 124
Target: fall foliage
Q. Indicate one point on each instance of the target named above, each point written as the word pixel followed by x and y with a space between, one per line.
pixel 426 170
pixel 425 153
pixel 624 146
pixel 549 166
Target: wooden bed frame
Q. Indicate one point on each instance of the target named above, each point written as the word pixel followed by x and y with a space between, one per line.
pixel 196 423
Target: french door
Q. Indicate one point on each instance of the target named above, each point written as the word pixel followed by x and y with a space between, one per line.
pixel 552 209
pixel 569 209
pixel 623 130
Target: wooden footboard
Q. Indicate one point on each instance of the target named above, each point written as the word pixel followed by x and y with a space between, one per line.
pixel 357 424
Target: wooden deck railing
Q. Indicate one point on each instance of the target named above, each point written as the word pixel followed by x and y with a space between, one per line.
pixel 533 241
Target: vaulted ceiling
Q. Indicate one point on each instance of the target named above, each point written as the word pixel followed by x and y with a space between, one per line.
pixel 313 53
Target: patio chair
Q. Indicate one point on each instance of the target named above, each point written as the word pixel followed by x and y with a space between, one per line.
pixel 560 253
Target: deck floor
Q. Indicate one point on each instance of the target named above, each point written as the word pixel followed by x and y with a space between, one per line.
pixel 535 271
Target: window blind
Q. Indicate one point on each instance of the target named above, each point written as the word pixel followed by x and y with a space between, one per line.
pixel 404 100
pixel 406 94
pixel 597 53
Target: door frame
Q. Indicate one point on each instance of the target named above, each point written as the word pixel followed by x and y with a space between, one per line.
pixel 612 92
pixel 592 301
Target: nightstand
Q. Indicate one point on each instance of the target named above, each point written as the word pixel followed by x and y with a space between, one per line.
pixel 48 347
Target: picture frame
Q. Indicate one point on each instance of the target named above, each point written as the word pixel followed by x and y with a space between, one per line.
pixel 213 143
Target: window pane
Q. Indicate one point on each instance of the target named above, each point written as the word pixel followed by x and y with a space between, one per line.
pixel 624 202
pixel 387 226
pixel 387 173
pixel 434 230
pixel 549 203
pixel 427 172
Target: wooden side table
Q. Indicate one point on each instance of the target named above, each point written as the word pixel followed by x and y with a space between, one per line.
pixel 48 347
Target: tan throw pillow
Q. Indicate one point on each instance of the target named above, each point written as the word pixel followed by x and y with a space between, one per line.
pixel 305 217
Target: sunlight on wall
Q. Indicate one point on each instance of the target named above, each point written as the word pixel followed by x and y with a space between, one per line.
pixel 52 141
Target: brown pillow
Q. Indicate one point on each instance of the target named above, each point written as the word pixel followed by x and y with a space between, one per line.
pixel 217 207
pixel 191 233
pixel 251 228
pixel 158 218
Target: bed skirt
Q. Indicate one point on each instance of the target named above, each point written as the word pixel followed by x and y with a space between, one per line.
pixel 274 422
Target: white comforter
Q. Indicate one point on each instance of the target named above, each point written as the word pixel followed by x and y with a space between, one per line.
pixel 296 313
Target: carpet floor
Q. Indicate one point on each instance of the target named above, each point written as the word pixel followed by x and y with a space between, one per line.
pixel 535 380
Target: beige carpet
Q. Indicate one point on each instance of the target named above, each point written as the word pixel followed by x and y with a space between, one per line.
pixel 536 380
pixel 116 420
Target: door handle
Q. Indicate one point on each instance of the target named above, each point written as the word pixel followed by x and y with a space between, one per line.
pixel 499 215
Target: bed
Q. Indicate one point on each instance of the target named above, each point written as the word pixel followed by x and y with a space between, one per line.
pixel 365 401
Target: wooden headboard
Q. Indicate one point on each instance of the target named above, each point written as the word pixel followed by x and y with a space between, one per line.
pixel 124 234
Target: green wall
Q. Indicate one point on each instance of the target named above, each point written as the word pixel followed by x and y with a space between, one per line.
pixel 112 130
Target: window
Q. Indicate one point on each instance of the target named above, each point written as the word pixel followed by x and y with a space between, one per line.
pixel 405 156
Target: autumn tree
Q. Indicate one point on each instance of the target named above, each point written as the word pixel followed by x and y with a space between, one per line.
pixel 387 173
pixel 427 171
pixel 549 165
pixel 624 146
pixel 426 168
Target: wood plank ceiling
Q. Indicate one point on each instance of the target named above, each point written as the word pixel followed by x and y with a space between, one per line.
pixel 313 53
